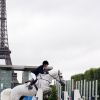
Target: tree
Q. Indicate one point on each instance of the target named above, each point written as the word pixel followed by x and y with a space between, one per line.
pixel 53 95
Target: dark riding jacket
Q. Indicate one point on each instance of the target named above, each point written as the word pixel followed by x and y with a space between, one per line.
pixel 40 70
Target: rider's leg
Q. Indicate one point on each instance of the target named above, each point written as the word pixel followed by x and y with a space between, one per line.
pixel 33 81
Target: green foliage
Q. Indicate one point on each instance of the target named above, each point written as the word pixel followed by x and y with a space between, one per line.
pixel 53 95
pixel 91 74
pixel 78 77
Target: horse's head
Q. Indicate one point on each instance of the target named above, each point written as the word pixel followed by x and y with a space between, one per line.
pixel 46 79
pixel 57 76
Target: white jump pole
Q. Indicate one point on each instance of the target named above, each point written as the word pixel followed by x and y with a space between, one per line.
pixel 77 95
pixel 89 90
pixel 84 90
pixel 67 86
pixel 81 87
pixel 76 84
pixel 92 88
pixel 39 94
pixel 72 85
pixel 66 97
pixel 59 90
pixel 96 90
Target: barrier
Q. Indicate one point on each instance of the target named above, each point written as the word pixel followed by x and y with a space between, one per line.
pixel 76 95
pixel 87 89
pixel 28 98
pixel 78 90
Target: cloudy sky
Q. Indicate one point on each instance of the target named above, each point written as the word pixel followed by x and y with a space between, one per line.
pixel 64 32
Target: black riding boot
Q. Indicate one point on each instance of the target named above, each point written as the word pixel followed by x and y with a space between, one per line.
pixel 30 85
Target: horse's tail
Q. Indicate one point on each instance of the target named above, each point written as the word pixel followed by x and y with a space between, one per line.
pixel 6 94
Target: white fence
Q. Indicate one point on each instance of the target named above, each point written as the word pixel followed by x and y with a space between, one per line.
pixel 82 90
pixel 88 89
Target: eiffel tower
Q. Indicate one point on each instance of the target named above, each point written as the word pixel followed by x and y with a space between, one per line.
pixel 4 47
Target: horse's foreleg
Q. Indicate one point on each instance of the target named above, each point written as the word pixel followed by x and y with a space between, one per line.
pixel 15 97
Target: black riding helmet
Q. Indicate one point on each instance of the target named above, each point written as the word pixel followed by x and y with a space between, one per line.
pixel 45 62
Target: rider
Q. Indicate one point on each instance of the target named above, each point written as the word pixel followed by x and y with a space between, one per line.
pixel 41 69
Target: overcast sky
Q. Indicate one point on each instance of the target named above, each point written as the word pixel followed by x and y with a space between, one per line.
pixel 64 32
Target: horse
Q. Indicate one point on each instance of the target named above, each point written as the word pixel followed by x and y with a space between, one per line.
pixel 43 82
